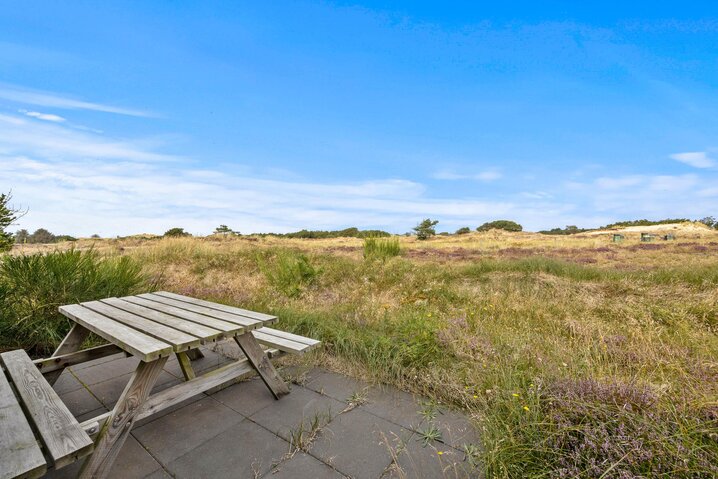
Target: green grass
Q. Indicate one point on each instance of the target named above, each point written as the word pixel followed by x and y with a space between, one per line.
pixel 381 248
pixel 32 287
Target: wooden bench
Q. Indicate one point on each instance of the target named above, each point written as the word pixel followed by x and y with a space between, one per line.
pixel 37 431
pixel 285 342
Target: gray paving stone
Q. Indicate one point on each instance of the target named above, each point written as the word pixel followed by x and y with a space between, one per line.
pixel 66 383
pixel 108 392
pixel 170 410
pixel 159 474
pixel 246 397
pixel 336 386
pixel 91 414
pixel 95 362
pixel 435 460
pixel 395 406
pixel 359 444
pixel 80 401
pixel 303 466
pixel 298 409
pixel 245 450
pixel 133 462
pixel 176 433
pixel 456 428
pixel 104 371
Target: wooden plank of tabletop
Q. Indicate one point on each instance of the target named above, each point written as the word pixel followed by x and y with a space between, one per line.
pixel 60 432
pixel 20 455
pixel 180 341
pixel 243 321
pixel 265 318
pixel 135 342
pixel 229 329
pixel 199 330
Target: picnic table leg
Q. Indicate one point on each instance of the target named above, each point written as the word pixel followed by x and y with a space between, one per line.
pixel 185 365
pixel 194 354
pixel 72 343
pixel 259 360
pixel 117 427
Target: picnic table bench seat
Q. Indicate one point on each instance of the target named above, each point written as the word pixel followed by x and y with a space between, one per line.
pixel 37 431
pixel 285 342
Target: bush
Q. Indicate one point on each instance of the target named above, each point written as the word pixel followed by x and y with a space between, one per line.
pixel 568 230
pixel 32 287
pixel 463 231
pixel 506 225
pixel 176 233
pixel 381 248
pixel 289 272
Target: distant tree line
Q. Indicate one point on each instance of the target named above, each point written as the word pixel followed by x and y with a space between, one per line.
pixel 40 236
pixel 345 233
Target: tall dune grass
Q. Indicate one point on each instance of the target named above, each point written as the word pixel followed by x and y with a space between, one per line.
pixel 32 287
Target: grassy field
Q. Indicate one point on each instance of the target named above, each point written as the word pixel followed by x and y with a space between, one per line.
pixel 576 357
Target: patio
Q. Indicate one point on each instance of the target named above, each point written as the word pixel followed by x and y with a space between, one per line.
pixel 348 428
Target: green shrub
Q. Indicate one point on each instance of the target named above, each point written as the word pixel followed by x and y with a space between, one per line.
pixel 176 232
pixel 506 225
pixel 381 248
pixel 32 287
pixel 289 272
pixel 463 231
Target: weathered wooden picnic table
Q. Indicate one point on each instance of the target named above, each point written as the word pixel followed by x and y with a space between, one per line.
pixel 152 327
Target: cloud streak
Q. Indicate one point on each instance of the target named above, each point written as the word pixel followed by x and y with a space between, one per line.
pixel 51 100
pixel 696 159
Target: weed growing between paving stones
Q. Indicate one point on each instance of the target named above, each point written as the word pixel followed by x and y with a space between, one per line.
pixel 607 369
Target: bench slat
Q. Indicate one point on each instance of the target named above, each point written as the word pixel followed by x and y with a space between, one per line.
pixel 64 440
pixel 139 344
pixel 265 318
pixel 283 344
pixel 198 330
pixel 20 456
pixel 294 337
pixel 245 322
pixel 229 329
pixel 180 341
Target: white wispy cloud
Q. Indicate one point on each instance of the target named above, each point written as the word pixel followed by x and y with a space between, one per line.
pixel 22 136
pixel 44 116
pixel 487 175
pixel 696 159
pixel 52 100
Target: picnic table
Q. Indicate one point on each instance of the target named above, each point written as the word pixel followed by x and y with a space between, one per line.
pixel 151 327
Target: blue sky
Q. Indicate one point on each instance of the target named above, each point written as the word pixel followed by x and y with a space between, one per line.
pixel 120 118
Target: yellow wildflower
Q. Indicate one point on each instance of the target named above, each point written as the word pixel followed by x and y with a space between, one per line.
pixel 515 395
pixel 526 408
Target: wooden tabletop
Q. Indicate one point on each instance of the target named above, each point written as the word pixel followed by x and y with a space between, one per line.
pixel 153 325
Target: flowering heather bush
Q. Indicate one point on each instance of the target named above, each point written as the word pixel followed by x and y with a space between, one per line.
pixel 618 430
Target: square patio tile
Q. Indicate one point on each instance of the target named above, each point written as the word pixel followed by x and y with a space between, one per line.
pixel 105 371
pixel 246 397
pixel 336 386
pixel 303 466
pixel 109 391
pixel 358 444
pixel 300 407
pixel 176 433
pixel 435 460
pixel 245 450
pixel 80 401
pixel 66 383
pixel 395 406
pixel 133 462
